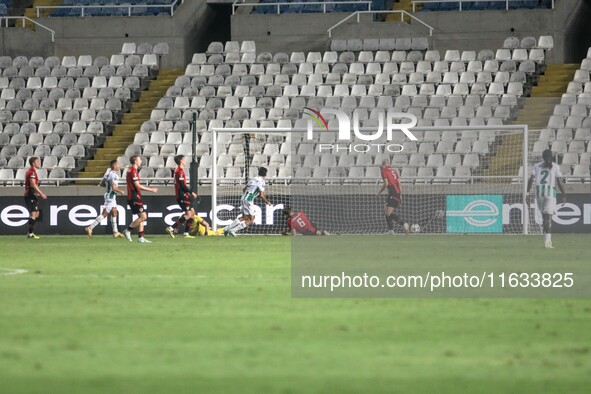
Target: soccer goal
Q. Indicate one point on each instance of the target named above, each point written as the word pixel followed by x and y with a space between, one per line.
pixel 457 180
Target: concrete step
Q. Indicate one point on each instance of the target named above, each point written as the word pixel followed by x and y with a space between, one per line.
pixel 137 116
pixel 120 137
pixel 166 78
pixel 126 131
pixel 567 66
pixel 116 145
pixel 545 90
pixel 556 78
pixel 92 174
pixel 172 71
pixel 107 153
pixel 145 105
pixel 100 164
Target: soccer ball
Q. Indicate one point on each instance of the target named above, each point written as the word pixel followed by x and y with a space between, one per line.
pixel 415 228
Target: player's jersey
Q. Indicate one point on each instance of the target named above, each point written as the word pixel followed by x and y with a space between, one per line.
pixel 110 179
pixel 133 193
pixel 31 179
pixel 180 180
pixel 254 187
pixel 300 223
pixel 393 179
pixel 545 179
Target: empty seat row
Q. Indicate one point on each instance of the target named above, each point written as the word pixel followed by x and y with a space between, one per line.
pixel 349 102
pixel 561 147
pixel 106 8
pixel 56 115
pixel 83 61
pixel 217 73
pixel 342 90
pixel 51 140
pixel 43 151
pixel 122 93
pixel 566 134
pixel 44 77
pixel 243 84
pixel 64 104
pixel 48 162
pixel 8 175
pixel 487 5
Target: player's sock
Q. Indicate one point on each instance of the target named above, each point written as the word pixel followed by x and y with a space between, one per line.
pixel 130 229
pixel 140 234
pixel 31 225
pixel 179 221
pixel 96 222
pixel 397 219
pixel 547 238
pixel 188 225
pixel 240 226
pixel 390 222
pixel 114 224
pixel 235 223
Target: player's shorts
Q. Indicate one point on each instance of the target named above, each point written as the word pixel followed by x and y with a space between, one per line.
pixel 546 205
pixel 137 206
pixel 247 208
pixel 109 204
pixel 392 201
pixel 185 205
pixel 32 204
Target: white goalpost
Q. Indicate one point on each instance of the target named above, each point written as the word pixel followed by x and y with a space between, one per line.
pixel 458 180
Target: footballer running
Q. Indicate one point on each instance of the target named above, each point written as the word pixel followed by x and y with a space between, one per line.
pixel 134 199
pixel 110 182
pixel 253 189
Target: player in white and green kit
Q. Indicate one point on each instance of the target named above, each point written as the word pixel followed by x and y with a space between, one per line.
pixel 253 189
pixel 110 182
pixel 546 175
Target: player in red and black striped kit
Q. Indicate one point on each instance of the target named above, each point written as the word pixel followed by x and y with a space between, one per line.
pixel 394 198
pixel 31 192
pixel 298 223
pixel 134 199
pixel 184 197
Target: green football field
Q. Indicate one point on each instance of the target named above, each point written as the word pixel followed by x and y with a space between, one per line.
pixel 216 315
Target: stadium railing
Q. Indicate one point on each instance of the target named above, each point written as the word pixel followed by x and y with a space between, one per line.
pixel 129 7
pixel 402 14
pixel 461 3
pixel 323 4
pixel 4 23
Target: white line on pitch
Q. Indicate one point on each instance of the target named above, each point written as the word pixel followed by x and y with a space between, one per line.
pixel 12 271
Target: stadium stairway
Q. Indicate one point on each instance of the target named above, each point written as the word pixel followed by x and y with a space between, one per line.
pixel 31 12
pixel 402 5
pixel 124 133
pixel 535 113
pixel 405 5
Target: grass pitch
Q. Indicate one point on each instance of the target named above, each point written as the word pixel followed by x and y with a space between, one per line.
pixel 215 315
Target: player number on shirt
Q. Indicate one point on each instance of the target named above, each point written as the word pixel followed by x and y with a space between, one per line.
pixel 545 174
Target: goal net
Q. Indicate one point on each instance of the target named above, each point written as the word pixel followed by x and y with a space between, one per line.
pixel 457 180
